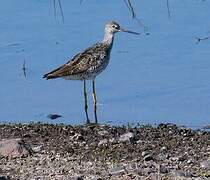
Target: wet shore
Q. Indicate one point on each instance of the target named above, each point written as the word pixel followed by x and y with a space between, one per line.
pixel 106 152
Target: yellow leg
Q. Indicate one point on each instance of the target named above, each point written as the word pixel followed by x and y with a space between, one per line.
pixel 86 104
pixel 95 102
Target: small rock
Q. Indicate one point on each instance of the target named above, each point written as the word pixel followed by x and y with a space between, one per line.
pixel 78 137
pixel 14 148
pixel 174 159
pixel 148 157
pixel 163 169
pixel 205 165
pixel 103 132
pixel 102 142
pixel 37 149
pixel 182 158
pixel 96 178
pixel 206 127
pixel 79 178
pixel 163 148
pixel 126 137
pixel 189 161
pixel 113 140
pixel 153 176
pixel 117 170
pixel 5 178
pixel 69 177
pixel 53 116
pixel 180 173
pixel 144 153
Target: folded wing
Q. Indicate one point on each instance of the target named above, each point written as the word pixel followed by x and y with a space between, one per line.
pixel 81 63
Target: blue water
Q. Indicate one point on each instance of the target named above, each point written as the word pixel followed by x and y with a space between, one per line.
pixel 161 77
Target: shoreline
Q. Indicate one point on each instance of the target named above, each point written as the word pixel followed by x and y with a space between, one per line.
pixel 107 152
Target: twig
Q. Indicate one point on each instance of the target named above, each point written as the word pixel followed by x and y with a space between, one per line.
pixel 130 7
pixel 81 1
pixel 54 9
pixel 168 8
pixel 24 68
pixel 60 8
pixel 133 14
pixel 202 39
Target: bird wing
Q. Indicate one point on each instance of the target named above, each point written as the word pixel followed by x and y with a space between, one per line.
pixel 80 63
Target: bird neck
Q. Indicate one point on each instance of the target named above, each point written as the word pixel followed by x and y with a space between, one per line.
pixel 108 38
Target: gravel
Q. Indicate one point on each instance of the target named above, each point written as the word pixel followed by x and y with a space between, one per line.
pixel 107 152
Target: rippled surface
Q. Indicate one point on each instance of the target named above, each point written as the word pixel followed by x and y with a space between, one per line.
pixel 161 77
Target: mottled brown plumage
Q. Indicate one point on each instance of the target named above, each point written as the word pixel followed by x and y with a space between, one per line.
pixel 85 65
pixel 88 64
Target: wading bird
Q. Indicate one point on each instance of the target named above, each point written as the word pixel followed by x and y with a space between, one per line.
pixel 89 63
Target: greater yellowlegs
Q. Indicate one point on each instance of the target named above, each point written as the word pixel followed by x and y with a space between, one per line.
pixel 89 63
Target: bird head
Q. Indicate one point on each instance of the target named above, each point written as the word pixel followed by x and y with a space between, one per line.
pixel 113 27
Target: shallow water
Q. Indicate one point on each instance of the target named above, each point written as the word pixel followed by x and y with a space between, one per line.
pixel 161 77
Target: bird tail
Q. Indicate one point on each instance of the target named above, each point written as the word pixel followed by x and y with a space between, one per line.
pixel 53 74
pixel 48 76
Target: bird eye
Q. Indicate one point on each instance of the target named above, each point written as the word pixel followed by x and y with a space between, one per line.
pixel 114 26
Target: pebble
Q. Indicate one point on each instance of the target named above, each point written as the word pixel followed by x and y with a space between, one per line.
pixel 102 142
pixel 163 148
pixel 144 153
pixel 189 161
pixel 153 176
pixel 206 127
pixel 113 140
pixel 148 157
pixel 180 173
pixel 14 148
pixel 142 159
pixel 53 116
pixel 103 132
pixel 78 137
pixel 96 178
pixel 205 165
pixel 174 158
pixel 126 137
pixel 163 169
pixel 37 149
pixel 4 177
pixel 117 170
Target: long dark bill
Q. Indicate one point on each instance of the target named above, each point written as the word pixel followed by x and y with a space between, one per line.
pixel 125 30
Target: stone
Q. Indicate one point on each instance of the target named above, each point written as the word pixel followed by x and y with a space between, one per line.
pixel 78 137
pixel 37 148
pixel 163 148
pixel 53 116
pixel 67 177
pixel 126 137
pixel 144 153
pixel 96 178
pixel 103 132
pixel 102 142
pixel 180 173
pixel 205 165
pixel 14 148
pixel 5 178
pixel 113 140
pixel 206 127
pixel 190 161
pixel 163 169
pixel 153 176
pixel 117 170
pixel 148 157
